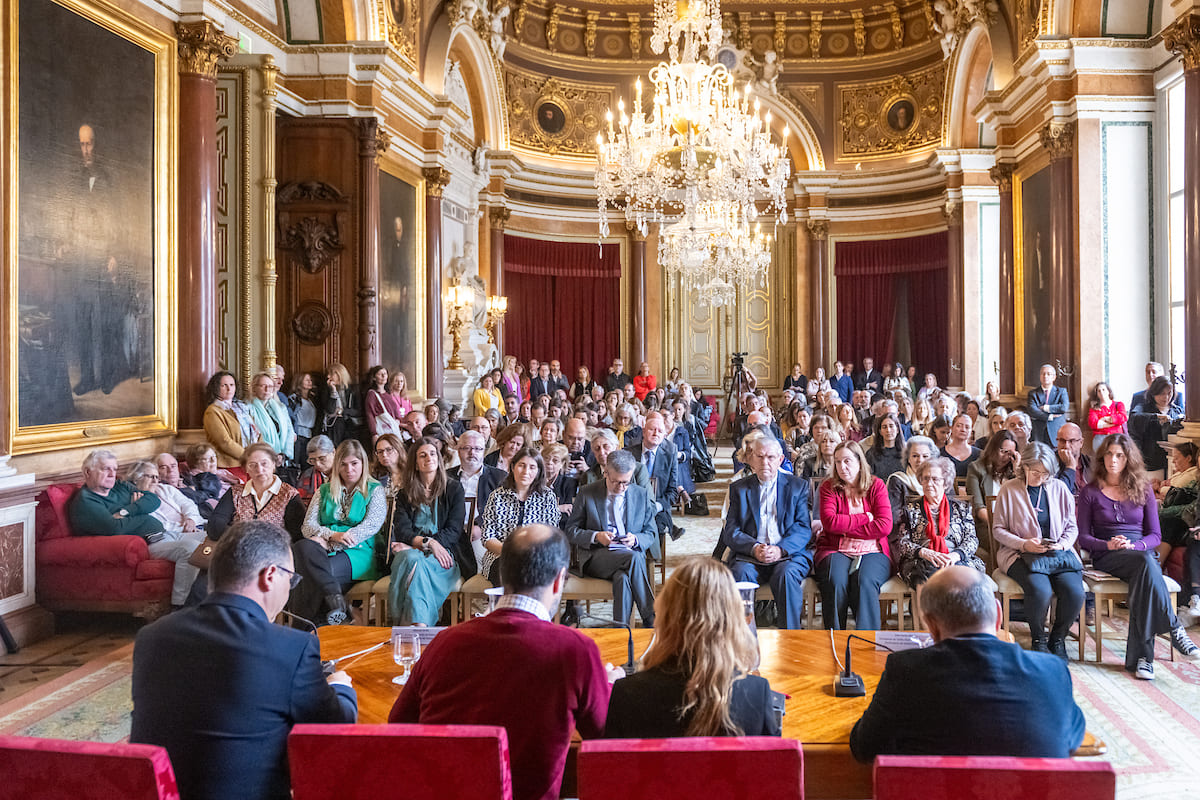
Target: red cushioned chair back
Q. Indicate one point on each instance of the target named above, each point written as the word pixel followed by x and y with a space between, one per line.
pixel 992 778
pixel 747 768
pixel 52 510
pixel 416 762
pixel 52 769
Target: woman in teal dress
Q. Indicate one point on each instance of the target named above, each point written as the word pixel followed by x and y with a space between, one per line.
pixel 344 517
pixel 428 550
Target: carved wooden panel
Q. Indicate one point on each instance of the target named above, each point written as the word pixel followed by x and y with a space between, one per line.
pixel 317 228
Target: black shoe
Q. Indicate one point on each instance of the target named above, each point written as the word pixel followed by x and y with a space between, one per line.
pixel 337 614
pixel 569 617
pixel 676 532
pixel 1184 644
pixel 1039 645
pixel 1058 646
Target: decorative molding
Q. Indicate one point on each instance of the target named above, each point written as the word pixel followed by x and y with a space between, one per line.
pixel 309 192
pixel 952 210
pixel 552 28
pixel 1059 139
pixel 635 34
pixel 1002 176
pixel 312 323
pixel 498 217
pixel 383 141
pixel 818 229
pixel 873 114
pixel 401 19
pixel 436 179
pixel 316 241
pixel 814 34
pixel 956 18
pixel 582 106
pixel 860 32
pixel 589 33
pixel 1182 37
pixel 201 45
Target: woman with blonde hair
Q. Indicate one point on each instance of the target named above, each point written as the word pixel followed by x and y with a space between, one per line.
pixel 694 680
pixel 922 417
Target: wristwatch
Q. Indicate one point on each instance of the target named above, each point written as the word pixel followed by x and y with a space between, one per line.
pixel 427 546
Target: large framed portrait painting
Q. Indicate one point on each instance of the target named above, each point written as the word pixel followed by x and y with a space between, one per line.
pixel 1034 293
pixel 94 227
pixel 401 276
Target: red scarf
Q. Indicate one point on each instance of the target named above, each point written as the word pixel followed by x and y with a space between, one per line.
pixel 937 542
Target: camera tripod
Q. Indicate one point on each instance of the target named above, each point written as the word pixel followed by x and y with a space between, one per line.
pixel 738 383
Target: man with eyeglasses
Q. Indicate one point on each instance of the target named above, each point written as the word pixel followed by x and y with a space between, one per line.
pixel 478 480
pixel 612 525
pixel 220 686
pixel 1075 466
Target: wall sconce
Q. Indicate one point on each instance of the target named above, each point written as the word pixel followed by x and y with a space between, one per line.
pixel 459 298
pixel 497 307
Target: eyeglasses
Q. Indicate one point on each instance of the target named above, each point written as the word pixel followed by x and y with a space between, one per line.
pixel 1070 441
pixel 294 577
pixel 381 450
pixel 470 449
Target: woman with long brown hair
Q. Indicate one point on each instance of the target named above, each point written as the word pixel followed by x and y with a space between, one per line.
pixel 1118 524
pixel 694 680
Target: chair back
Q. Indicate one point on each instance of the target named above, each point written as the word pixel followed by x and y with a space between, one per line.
pixel 416 762
pixel 984 530
pixel 53 769
pixel 746 768
pixel 992 778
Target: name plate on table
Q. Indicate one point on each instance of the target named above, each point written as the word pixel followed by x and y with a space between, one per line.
pixel 894 641
pixel 426 634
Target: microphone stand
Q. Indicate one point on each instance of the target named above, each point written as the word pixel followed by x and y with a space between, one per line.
pixel 629 666
pixel 326 665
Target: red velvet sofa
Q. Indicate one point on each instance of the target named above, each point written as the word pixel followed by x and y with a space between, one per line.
pixel 95 573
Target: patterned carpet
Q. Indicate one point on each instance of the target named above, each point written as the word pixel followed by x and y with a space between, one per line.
pixel 77 686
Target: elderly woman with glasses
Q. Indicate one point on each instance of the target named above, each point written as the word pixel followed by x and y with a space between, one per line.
pixel 1034 528
pixel 935 529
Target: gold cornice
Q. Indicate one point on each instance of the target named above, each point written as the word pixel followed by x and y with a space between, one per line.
pixel 1182 37
pixel 436 179
pixel 1002 176
pixel 1059 139
pixel 201 45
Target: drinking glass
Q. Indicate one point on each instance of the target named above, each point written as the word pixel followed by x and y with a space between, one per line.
pixel 406 649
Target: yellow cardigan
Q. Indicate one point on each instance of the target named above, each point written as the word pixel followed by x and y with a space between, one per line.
pixel 483 400
pixel 223 432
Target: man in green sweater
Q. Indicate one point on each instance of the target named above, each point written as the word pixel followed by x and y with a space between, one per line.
pixel 105 506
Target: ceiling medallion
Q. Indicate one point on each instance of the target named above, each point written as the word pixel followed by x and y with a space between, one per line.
pixel 700 162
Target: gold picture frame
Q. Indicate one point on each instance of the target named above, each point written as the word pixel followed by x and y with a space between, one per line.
pixel 143 61
pixel 417 375
pixel 1030 203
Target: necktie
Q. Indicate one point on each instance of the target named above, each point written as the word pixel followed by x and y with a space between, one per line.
pixel 612 513
pixel 650 461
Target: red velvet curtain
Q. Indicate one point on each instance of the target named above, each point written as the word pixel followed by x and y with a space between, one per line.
pixel 872 278
pixel 564 302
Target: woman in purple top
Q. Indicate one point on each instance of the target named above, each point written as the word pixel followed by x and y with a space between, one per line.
pixel 1118 525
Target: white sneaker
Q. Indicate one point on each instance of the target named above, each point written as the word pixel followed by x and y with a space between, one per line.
pixel 1189 615
pixel 1144 670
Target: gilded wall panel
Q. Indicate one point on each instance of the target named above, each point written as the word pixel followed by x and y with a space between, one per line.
pixel 401 17
pixel 554 115
pixel 228 220
pixel 897 116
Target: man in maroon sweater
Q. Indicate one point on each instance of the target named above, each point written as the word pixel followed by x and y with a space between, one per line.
pixel 517 669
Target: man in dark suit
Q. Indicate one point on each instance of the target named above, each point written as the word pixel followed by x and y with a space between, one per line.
pixel 1048 406
pixel 869 380
pixel 478 480
pixel 1154 370
pixel 220 686
pixel 767 529
pixel 612 525
pixel 970 694
pixel 659 457
pixel 617 378
pixel 557 379
pixel 541 383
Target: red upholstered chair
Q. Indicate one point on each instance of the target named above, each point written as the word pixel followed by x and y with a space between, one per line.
pixel 53 769
pixel 746 768
pixel 95 573
pixel 1174 567
pixel 992 778
pixel 416 762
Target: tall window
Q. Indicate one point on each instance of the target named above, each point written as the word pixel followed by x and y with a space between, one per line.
pixel 1175 221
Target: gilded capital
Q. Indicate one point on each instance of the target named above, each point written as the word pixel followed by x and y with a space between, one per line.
pixel 818 229
pixel 635 232
pixel 1002 176
pixel 953 212
pixel 269 73
pixel 382 141
pixel 1059 139
pixel 1182 37
pixel 201 46
pixel 436 179
pixel 498 217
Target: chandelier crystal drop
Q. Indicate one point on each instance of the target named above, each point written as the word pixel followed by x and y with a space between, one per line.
pixel 701 160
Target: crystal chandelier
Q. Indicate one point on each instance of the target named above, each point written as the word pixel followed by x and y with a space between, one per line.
pixel 700 161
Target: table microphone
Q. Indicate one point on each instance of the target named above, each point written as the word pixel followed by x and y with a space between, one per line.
pixel 847 683
pixel 629 666
pixel 326 666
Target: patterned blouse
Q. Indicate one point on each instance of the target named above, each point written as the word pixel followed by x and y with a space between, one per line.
pixel 911 537
pixel 505 512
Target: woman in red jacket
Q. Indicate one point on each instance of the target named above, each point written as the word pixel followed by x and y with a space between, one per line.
pixel 1105 415
pixel 852 559
pixel 644 382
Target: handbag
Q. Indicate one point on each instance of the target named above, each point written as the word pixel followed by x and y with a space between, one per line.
pixel 201 557
pixel 384 421
pixel 1055 562
pixel 697 506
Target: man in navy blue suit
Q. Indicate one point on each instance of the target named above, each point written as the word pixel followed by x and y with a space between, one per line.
pixel 970 694
pixel 220 686
pixel 767 529
pixel 1048 405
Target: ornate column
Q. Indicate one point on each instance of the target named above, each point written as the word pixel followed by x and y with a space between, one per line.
pixel 1183 37
pixel 371 143
pixel 818 254
pixel 436 179
pixel 498 218
pixel 953 212
pixel 1059 139
pixel 1002 175
pixel 269 275
pixel 637 294
pixel 201 45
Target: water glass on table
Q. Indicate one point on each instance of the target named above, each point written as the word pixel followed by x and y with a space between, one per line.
pixel 406 650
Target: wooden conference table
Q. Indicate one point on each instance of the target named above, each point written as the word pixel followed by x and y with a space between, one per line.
pixel 797 663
